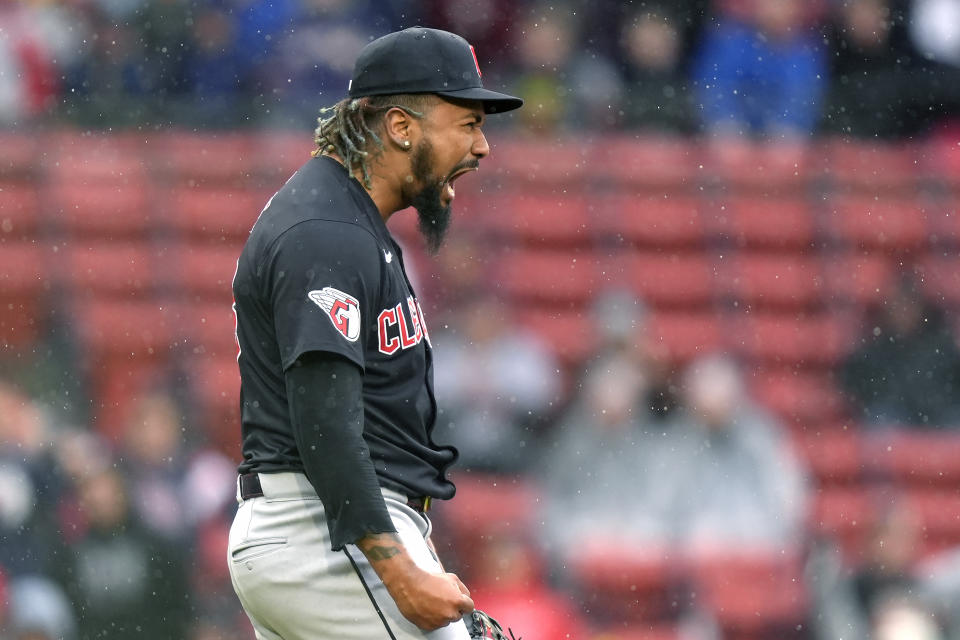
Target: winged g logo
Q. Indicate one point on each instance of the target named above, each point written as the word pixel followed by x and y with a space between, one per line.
pixel 342 309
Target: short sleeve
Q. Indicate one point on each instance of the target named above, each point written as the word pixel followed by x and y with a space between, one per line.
pixel 323 280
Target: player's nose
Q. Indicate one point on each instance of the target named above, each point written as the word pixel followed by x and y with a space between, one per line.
pixel 480 147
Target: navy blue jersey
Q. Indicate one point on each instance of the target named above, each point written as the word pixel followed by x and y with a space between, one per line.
pixel 321 272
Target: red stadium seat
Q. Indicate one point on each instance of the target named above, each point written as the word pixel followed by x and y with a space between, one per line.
pixel 856 278
pixel 889 223
pixel 206 328
pixel 801 398
pixel 939 513
pixel 105 268
pixel 814 339
pixel 537 164
pixel 772 280
pixel 19 210
pixel 943 161
pixel 23 280
pixel 923 458
pixel 845 514
pixel 214 214
pixel 645 163
pixel 866 165
pixel 632 631
pixel 548 277
pixel 668 279
pixel 227 159
pixel 201 272
pixel 743 165
pixel 765 222
pixel 754 594
pixel 214 383
pixel 653 221
pixel 104 210
pixel 678 336
pixel 536 218
pixel 279 155
pixel 626 584
pixel 834 455
pixel 467 519
pixel 115 159
pixel 940 278
pixel 570 334
pixel 18 154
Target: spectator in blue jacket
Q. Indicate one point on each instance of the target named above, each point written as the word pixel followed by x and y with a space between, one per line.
pixel 763 78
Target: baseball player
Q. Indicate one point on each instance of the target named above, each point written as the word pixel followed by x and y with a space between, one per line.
pixel 331 538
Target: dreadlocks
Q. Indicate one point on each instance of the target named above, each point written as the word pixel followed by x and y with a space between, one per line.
pixel 351 129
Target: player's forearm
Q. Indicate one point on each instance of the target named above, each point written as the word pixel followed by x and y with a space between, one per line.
pixel 324 394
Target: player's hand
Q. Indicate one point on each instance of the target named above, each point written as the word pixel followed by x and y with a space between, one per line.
pixel 430 600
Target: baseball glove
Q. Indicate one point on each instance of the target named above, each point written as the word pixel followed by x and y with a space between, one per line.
pixel 483 627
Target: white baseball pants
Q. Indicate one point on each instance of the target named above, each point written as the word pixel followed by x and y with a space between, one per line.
pixel 293 587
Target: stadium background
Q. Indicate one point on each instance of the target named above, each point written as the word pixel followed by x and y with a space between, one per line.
pixel 141 139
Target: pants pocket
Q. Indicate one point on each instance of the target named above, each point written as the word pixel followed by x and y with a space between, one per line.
pixel 256 548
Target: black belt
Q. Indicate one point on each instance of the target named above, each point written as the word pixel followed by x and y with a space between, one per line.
pixel 250 488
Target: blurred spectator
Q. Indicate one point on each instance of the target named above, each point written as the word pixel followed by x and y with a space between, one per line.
pixel 27 76
pixel 728 470
pixel 315 58
pixel 109 83
pixel 761 78
pixel 511 585
pixel 656 91
pixel 153 462
pixel 881 85
pixel 603 465
pixel 123 581
pixel 29 484
pixel 906 370
pixel 563 85
pixel 39 610
pixel 494 382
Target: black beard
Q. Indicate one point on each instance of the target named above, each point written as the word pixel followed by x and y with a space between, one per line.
pixel 433 217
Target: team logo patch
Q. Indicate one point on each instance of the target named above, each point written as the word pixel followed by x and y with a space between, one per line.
pixel 342 309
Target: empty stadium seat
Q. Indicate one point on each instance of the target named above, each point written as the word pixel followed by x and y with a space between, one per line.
pixel 18 155
pixel 104 268
pixel 214 384
pixel 570 334
pixel 940 278
pixel 116 159
pixel 629 584
pixel 803 399
pixel 845 515
pixel 920 457
pixel 205 327
pixel 538 164
pixel 678 336
pixel 888 223
pixel 105 210
pixel 19 210
pixel 753 594
pixel 201 272
pixel 742 165
pixel 764 222
pixel 24 278
pixel 857 278
pixel 659 222
pixel 812 339
pixel 833 455
pixel 548 277
pixel 646 163
pixel 939 514
pixel 771 280
pixel 942 160
pixel 664 279
pixel 207 159
pixel 538 218
pixel 213 214
pixel 876 166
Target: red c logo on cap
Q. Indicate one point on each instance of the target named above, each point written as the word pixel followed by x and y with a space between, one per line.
pixel 475 61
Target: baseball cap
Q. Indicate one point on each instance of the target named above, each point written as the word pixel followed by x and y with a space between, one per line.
pixel 422 60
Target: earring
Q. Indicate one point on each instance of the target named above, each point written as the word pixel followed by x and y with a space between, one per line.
pixel 406 144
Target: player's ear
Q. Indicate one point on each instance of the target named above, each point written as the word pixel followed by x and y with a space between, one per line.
pixel 399 127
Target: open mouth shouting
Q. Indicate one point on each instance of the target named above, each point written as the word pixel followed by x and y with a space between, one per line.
pixel 457 172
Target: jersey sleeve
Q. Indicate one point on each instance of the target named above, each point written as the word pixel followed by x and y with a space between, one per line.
pixel 324 281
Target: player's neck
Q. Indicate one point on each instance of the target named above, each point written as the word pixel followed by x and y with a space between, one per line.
pixel 386 194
